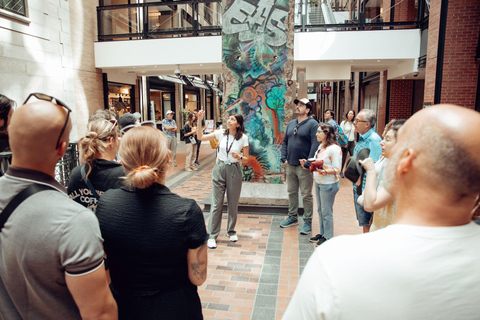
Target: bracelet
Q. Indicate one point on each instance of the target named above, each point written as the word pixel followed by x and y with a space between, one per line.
pixel 241 157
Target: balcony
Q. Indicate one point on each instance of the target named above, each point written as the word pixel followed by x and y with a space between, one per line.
pixel 329 41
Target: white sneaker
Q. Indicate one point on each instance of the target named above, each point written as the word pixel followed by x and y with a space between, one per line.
pixel 234 238
pixel 212 244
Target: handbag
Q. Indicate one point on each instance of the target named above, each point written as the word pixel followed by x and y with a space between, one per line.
pixel 214 143
pixel 19 198
pixel 192 140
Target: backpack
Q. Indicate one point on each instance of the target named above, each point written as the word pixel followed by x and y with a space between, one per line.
pixel 342 138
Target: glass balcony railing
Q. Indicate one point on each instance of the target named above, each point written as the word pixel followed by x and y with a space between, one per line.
pixel 118 20
pixel 159 20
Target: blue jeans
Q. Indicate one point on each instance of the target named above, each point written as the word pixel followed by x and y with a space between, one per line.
pixel 363 216
pixel 325 194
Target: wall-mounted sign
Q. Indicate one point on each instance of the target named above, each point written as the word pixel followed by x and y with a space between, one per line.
pixel 327 90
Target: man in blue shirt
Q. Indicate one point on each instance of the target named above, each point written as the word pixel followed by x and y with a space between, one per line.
pixel 364 125
pixel 169 127
pixel 299 144
pixel 329 115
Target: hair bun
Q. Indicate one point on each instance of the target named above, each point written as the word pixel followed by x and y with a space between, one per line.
pixel 91 135
pixel 143 177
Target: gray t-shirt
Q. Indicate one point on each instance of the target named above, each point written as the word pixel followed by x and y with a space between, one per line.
pixel 47 236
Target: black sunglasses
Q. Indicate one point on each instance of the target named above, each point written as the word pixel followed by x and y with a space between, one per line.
pixel 46 97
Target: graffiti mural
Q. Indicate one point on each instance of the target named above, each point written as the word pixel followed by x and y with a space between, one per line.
pixel 257 56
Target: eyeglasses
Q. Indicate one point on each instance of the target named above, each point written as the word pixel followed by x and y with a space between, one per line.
pixel 46 97
pixel 148 123
pixel 356 120
pixel 324 131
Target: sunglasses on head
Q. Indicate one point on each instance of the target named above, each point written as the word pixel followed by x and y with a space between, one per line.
pixel 148 123
pixel 46 97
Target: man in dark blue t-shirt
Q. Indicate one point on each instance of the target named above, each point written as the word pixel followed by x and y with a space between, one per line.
pixel 299 144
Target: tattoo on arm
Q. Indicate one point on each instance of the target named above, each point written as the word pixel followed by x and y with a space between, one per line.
pixel 200 264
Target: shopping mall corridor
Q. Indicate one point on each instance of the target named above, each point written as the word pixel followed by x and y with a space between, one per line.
pixel 255 277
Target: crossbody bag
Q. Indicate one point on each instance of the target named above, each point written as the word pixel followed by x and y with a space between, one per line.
pixel 19 198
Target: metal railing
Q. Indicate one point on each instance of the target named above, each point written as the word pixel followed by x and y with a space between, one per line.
pixel 204 17
pixel 63 168
pixel 159 19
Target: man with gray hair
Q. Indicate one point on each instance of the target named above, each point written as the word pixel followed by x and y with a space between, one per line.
pixel 364 124
pixel 424 266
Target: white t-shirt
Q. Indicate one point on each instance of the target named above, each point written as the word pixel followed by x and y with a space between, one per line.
pixel 348 129
pixel 399 272
pixel 233 145
pixel 332 158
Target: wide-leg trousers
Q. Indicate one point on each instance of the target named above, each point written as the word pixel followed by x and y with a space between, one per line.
pixel 225 177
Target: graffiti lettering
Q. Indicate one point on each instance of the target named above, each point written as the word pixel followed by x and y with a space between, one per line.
pixel 252 21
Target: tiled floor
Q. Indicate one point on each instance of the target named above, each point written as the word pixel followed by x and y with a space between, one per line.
pixel 255 277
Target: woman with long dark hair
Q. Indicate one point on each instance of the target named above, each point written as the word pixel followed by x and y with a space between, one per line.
pixel 326 180
pixel 155 240
pixel 227 174
pixel 349 129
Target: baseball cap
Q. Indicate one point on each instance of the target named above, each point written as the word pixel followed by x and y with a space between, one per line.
pixel 170 111
pixel 128 119
pixel 305 101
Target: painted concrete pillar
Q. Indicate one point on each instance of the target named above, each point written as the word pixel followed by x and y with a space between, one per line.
pixel 258 64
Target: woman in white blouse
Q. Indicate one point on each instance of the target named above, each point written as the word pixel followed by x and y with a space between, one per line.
pixel 349 130
pixel 326 180
pixel 227 174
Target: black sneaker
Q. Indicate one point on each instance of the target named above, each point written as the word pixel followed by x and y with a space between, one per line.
pixel 322 240
pixel 316 238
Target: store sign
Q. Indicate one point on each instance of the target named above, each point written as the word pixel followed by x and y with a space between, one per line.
pixel 327 90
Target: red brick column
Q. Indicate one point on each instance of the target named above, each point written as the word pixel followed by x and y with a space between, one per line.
pixel 460 70
pixel 404 11
pixel 382 101
pixel 401 97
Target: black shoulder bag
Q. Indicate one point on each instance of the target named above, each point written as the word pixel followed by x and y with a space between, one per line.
pixel 19 198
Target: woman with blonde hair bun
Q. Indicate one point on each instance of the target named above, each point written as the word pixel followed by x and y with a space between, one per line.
pixel 155 240
pixel 99 172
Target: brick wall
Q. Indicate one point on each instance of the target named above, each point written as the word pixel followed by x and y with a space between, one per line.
pixel 88 82
pixel 460 70
pixel 36 56
pixel 401 97
pixel 404 10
